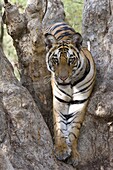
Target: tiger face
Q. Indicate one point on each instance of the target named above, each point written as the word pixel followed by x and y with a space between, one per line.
pixel 62 63
pixel 62 60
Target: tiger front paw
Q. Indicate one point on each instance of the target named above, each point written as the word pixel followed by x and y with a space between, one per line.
pixel 62 151
pixel 74 159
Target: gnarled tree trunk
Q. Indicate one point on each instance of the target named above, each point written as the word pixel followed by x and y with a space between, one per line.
pixel 26 31
pixel 26 143
pixel 96 142
pixel 25 139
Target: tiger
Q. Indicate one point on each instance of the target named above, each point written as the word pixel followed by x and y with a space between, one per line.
pixel 73 75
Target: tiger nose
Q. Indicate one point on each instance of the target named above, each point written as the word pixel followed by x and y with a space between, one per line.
pixel 63 78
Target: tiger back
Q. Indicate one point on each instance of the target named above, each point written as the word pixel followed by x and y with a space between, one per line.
pixel 72 77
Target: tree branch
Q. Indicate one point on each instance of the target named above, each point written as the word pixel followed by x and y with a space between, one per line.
pixel 6 2
pixel 46 7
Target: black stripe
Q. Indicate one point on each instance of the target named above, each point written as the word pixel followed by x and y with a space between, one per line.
pixel 92 78
pixel 62 116
pixel 61 121
pixel 49 54
pixel 63 35
pixel 78 128
pixel 81 79
pixel 64 29
pixel 71 133
pixel 63 91
pixel 85 87
pixel 78 101
pixel 50 67
pixel 60 24
pixel 72 101
pixel 72 121
pixel 60 130
pixel 75 116
pixel 64 84
pixel 65 121
pixel 84 75
pixel 62 46
pixel 62 101
pixel 68 116
pixel 76 123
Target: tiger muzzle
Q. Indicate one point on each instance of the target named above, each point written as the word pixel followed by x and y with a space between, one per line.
pixel 63 75
pixel 63 78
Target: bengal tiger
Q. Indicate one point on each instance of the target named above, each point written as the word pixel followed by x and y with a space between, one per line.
pixel 72 77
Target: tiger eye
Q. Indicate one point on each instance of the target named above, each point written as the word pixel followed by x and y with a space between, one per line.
pixel 55 61
pixel 71 60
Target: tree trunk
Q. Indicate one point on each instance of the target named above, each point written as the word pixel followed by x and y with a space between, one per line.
pixel 1 26
pixel 25 139
pixel 26 31
pixel 96 142
pixel 26 143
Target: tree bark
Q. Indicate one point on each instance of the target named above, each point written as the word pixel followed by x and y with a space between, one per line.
pixel 25 138
pixel 96 142
pixel 26 143
pixel 26 31
pixel 1 26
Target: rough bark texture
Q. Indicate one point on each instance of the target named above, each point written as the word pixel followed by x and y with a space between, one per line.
pixel 55 12
pixel 26 143
pixel 26 31
pixel 96 141
pixel 25 140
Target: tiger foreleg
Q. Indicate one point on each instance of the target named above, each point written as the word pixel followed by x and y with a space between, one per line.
pixel 61 149
pixel 75 156
pixel 74 131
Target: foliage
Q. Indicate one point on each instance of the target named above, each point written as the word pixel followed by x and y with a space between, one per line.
pixel 8 47
pixel 10 52
pixel 73 10
pixel 20 3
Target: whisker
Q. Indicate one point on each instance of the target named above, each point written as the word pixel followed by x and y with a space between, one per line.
pixel 47 79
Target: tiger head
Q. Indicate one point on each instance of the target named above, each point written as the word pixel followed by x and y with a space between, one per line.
pixel 63 57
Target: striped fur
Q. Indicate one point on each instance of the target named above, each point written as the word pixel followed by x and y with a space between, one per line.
pixel 73 76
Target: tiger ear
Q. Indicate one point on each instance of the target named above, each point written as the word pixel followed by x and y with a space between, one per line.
pixel 77 40
pixel 49 40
